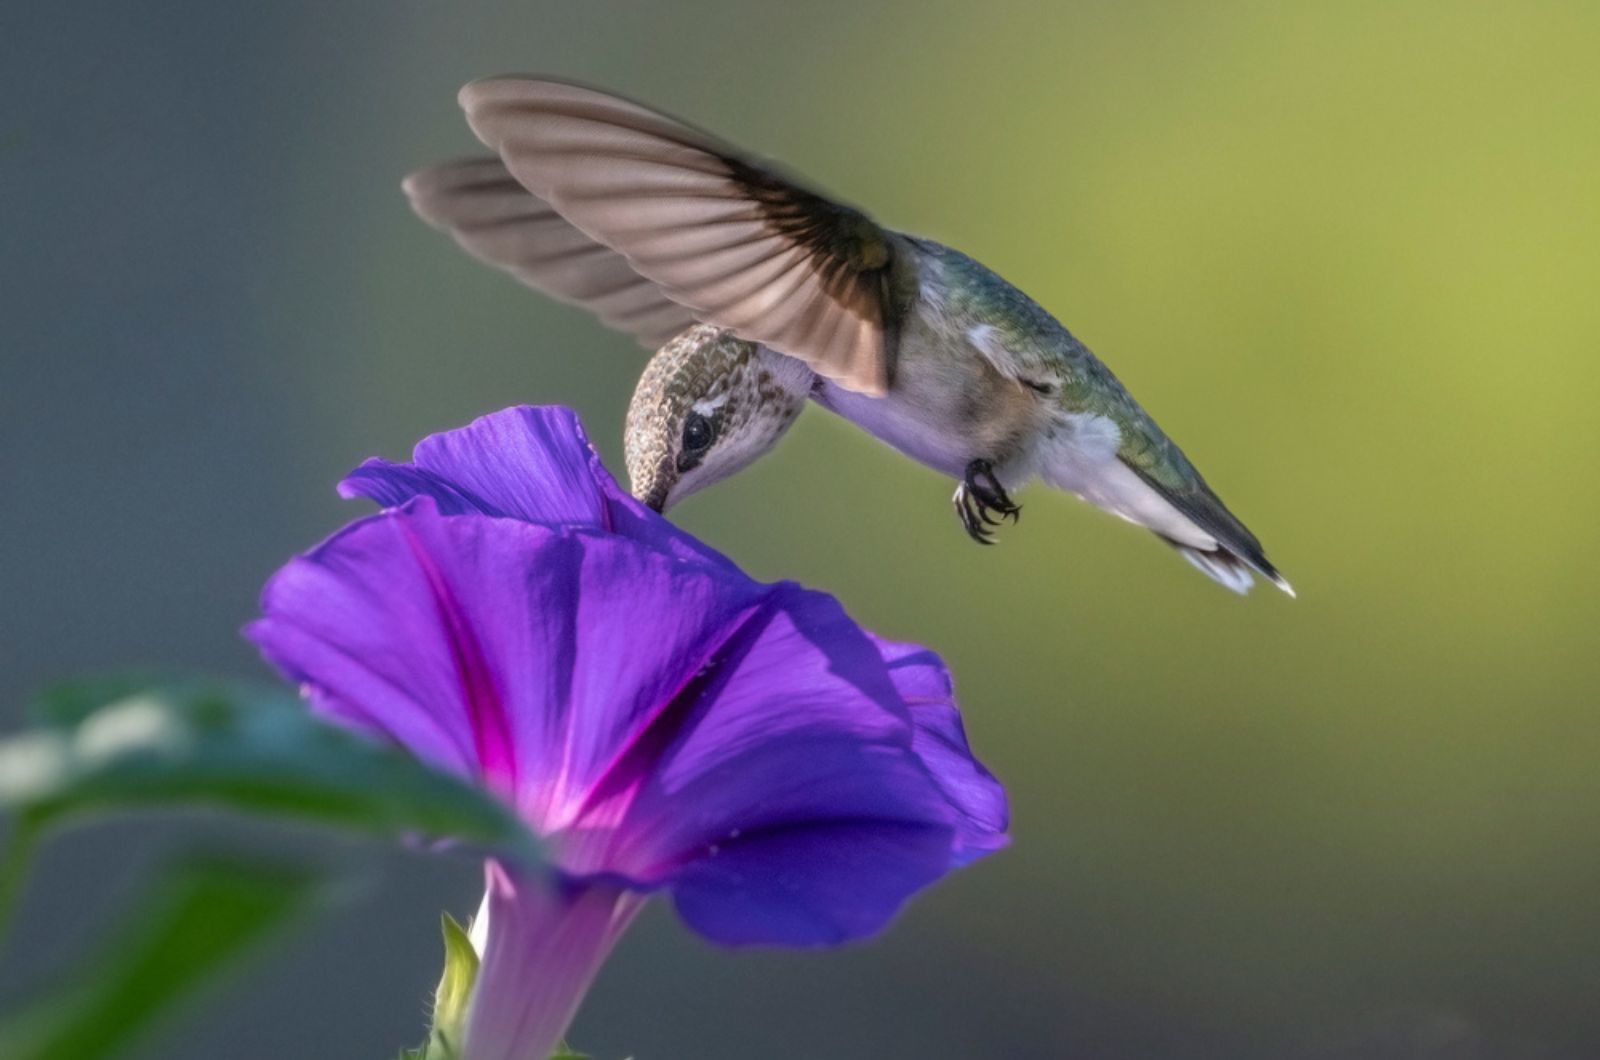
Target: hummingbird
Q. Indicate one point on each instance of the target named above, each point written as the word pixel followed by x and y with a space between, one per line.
pixel 761 294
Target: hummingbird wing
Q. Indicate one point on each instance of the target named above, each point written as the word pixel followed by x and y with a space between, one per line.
pixel 497 221
pixel 717 231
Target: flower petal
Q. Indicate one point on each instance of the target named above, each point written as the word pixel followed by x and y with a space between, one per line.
pixel 789 777
pixel 816 885
pixel 496 648
pixel 391 485
pixel 534 464
pixel 941 742
pixel 372 625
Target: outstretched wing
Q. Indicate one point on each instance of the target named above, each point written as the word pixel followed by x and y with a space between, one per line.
pixel 716 231
pixel 497 220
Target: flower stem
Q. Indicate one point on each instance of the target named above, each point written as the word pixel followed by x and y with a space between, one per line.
pixel 541 942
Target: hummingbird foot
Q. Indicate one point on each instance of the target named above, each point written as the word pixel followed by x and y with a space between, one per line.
pixel 981 502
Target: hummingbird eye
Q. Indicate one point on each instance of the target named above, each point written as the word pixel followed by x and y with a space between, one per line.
pixel 698 433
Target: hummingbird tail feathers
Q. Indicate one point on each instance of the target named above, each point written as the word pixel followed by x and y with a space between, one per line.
pixel 1083 458
pixel 1228 570
pixel 1233 551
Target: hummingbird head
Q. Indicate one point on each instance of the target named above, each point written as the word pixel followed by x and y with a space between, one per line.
pixel 707 405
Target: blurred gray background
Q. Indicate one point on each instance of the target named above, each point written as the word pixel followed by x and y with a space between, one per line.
pixel 1347 255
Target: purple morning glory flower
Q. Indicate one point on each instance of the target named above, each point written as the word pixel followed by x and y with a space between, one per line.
pixel 660 720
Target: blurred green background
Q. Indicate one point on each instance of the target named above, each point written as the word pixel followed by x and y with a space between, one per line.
pixel 1346 253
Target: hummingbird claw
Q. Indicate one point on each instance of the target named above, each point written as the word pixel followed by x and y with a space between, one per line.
pixel 981 502
pixel 968 511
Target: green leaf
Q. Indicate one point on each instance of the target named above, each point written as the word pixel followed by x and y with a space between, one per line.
pixel 200 919
pixel 117 745
pixel 111 745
